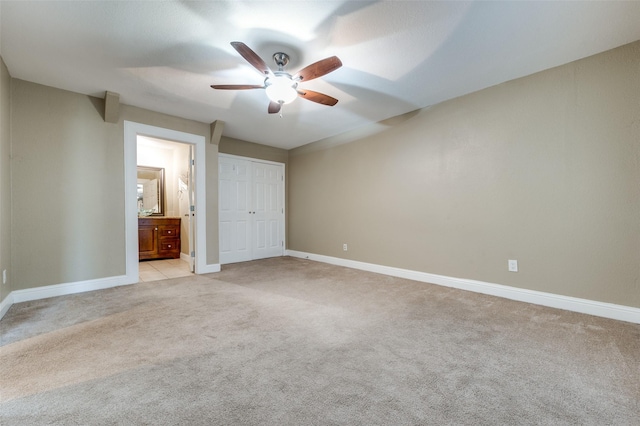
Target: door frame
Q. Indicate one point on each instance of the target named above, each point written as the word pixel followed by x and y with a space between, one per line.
pixel 131 132
pixel 284 194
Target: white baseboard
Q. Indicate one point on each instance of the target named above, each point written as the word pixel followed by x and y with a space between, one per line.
pixel 208 269
pixel 6 304
pixel 44 292
pixel 585 306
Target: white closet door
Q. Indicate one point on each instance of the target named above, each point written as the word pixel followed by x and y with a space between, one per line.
pixel 234 210
pixel 251 209
pixel 268 207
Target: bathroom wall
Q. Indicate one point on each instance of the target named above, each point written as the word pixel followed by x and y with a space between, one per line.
pixel 173 157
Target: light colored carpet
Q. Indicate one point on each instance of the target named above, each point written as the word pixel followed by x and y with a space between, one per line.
pixel 287 341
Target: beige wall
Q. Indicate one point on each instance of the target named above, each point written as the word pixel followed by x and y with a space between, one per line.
pixel 5 179
pixel 68 174
pixel 544 169
pixel 252 150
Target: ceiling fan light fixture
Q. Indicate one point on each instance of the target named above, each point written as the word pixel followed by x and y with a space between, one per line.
pixel 281 89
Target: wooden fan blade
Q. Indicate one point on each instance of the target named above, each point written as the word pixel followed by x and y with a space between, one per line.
pixel 251 57
pixel 320 68
pixel 320 98
pixel 274 107
pixel 236 86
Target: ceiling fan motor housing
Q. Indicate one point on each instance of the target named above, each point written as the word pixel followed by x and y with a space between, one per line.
pixel 281 59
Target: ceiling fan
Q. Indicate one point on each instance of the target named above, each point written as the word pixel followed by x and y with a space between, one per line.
pixel 281 87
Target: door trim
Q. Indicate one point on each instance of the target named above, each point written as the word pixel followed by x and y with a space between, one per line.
pixel 131 132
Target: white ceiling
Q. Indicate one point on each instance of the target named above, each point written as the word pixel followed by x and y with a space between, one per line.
pixel 398 56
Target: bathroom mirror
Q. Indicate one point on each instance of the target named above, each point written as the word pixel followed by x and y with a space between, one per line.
pixel 150 191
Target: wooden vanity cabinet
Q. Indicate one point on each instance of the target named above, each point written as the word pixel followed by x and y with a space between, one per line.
pixel 158 238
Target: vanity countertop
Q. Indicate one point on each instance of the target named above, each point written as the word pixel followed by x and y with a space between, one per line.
pixel 159 217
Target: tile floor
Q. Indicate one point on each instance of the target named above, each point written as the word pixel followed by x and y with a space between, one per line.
pixel 154 270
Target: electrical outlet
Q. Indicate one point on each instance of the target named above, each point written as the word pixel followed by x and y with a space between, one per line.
pixel 513 265
pixel 344 247
pixel 4 276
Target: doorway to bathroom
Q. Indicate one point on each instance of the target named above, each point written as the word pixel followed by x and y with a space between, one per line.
pixel 166 202
pixel 184 193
